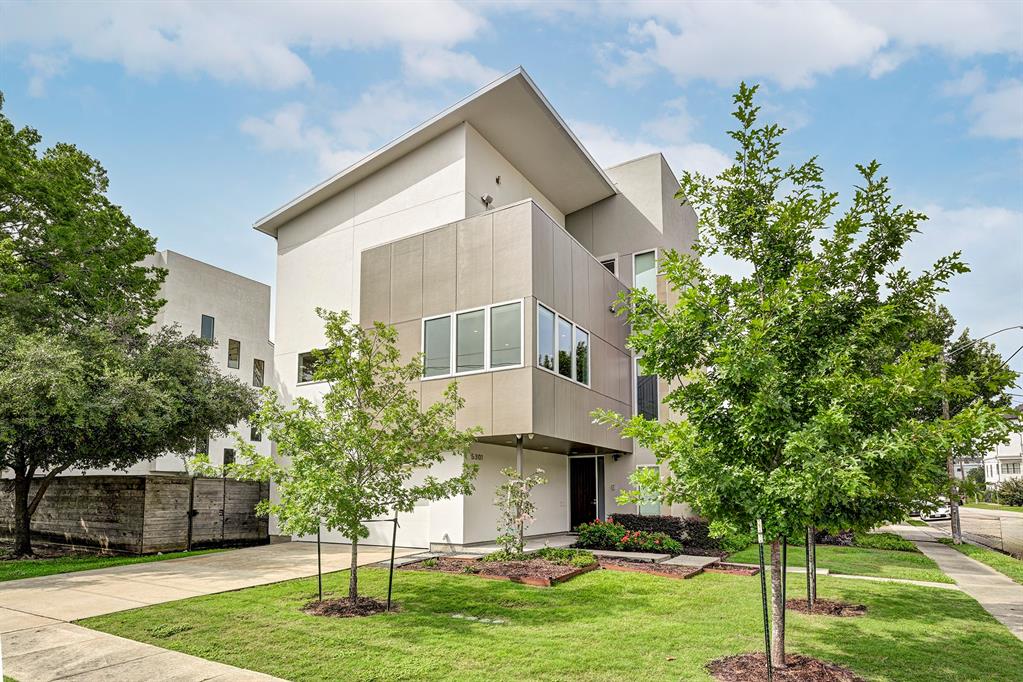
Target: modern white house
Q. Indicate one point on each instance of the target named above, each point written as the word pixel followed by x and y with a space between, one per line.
pixel 495 244
pixel 1005 461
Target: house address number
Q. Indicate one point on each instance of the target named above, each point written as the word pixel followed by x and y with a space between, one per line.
pixel 475 456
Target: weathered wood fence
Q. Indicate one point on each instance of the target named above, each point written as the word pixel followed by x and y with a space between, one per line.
pixel 145 514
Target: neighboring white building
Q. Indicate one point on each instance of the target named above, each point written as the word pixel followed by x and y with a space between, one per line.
pixel 1005 461
pixel 492 220
pixel 234 312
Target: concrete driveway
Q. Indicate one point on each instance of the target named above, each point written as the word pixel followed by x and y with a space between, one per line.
pixel 38 642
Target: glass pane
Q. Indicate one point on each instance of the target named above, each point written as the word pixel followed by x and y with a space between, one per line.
pixel 234 353
pixel 306 367
pixel 469 341
pixel 564 348
pixel 437 334
pixel 228 456
pixel 649 504
pixel 646 394
pixel 206 330
pixel 582 356
pixel 257 373
pixel 255 435
pixel 646 272
pixel 545 338
pixel 506 335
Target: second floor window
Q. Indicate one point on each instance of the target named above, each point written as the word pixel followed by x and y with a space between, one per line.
pixel 206 328
pixel 645 273
pixel 306 367
pixel 473 341
pixel 255 435
pixel 564 347
pixel 228 456
pixel 257 373
pixel 234 353
pixel 561 346
pixel 470 341
pixel 646 393
pixel 506 335
pixel 545 338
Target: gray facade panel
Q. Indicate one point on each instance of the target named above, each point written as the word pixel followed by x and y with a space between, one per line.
pixel 474 283
pixel 375 290
pixel 407 279
pixel 439 271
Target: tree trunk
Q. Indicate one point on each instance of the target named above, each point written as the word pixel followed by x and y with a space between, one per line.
pixel 22 517
pixel 811 564
pixel 777 608
pixel 353 573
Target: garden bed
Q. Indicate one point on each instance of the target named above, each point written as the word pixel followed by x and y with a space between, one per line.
pixel 662 570
pixel 826 607
pixel 731 569
pixel 536 572
pixel 346 608
pixel 753 668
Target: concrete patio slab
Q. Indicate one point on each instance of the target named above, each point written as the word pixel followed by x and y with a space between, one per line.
pixel 11 620
pixel 631 556
pixel 691 560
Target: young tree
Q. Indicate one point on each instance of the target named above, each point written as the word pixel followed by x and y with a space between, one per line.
pixel 361 451
pixel 516 508
pixel 82 382
pixel 802 396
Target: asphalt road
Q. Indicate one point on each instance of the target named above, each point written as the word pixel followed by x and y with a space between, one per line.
pixel 999 529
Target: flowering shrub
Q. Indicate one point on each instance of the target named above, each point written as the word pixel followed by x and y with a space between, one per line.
pixel 611 535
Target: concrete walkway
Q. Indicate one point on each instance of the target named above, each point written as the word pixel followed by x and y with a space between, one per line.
pixel 998 594
pixel 39 643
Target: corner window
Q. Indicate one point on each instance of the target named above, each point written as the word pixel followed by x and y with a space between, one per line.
pixel 506 335
pixel 582 356
pixel 255 435
pixel 646 394
pixel 206 328
pixel 306 367
pixel 564 347
pixel 257 373
pixel 437 346
pixel 544 338
pixel 645 272
pixel 470 341
pixel 234 353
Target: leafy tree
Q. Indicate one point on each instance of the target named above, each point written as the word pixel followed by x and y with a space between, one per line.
pixel 359 452
pixel 82 382
pixel 516 508
pixel 804 398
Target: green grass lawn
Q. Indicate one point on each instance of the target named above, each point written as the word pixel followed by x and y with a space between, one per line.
pixel 998 507
pixel 917 522
pixel 1002 563
pixel 16 569
pixel 603 625
pixel 858 561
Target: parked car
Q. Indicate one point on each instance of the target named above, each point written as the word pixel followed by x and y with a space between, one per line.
pixel 937 512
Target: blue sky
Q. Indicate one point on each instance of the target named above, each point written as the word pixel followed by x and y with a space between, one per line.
pixel 208 116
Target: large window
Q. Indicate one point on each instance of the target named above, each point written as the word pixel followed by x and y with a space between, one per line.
pixel 470 341
pixel 646 394
pixel 473 340
pixel 234 353
pixel 306 367
pixel 437 346
pixel 206 328
pixel 257 373
pixel 562 347
pixel 506 335
pixel 649 504
pixel 545 338
pixel 645 273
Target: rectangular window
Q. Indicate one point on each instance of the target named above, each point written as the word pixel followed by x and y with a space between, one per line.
pixel 257 373
pixel 228 456
pixel 437 346
pixel 506 335
pixel 254 434
pixel 646 394
pixel 234 354
pixel 645 273
pixel 564 347
pixel 611 264
pixel 470 341
pixel 306 367
pixel 582 356
pixel 544 338
pixel 206 329
pixel 648 505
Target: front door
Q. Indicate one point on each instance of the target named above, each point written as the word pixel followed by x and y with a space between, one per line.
pixel 582 490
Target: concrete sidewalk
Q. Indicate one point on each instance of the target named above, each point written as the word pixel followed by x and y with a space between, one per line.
pixel 38 642
pixel 998 594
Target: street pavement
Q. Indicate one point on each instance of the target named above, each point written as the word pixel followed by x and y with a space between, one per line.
pixel 1001 530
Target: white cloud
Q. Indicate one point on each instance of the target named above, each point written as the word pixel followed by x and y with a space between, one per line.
pixel 432 65
pixel 793 43
pixel 258 44
pixel 42 68
pixel 995 110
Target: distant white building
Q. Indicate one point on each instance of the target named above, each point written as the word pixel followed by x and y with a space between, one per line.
pixel 1005 461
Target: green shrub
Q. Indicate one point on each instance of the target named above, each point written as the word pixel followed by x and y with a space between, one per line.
pixel 503 555
pixel 612 535
pixel 1011 492
pixel 564 556
pixel 429 563
pixel 889 541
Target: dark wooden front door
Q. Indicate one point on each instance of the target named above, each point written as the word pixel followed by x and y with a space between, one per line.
pixel 583 490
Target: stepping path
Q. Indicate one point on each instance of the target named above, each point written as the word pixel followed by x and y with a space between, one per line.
pixel 997 593
pixel 39 643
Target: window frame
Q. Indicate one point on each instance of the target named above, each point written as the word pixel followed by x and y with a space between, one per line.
pixel 453 322
pixel 238 360
pixel 255 435
pixel 262 372
pixel 617 261
pixel 643 253
pixel 298 369
pixel 213 327
pixel 589 336
pixel 635 389
pixel 554 339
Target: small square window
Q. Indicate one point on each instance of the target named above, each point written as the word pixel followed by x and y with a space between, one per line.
pixel 306 367
pixel 234 353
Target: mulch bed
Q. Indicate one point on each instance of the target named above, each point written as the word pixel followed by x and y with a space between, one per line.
pixel 46 550
pixel 663 570
pixel 537 572
pixel 753 668
pixel 731 569
pixel 346 608
pixel 826 607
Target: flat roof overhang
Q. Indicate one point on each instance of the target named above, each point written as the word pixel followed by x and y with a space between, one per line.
pixel 562 446
pixel 515 117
